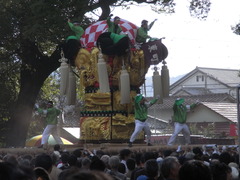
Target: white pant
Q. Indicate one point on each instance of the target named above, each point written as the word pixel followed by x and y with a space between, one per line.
pixel 178 127
pixel 50 129
pixel 139 126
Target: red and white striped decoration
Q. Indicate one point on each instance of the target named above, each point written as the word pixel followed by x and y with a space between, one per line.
pixel 91 34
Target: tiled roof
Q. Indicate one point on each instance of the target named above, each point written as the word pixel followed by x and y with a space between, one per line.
pixel 227 110
pixel 227 76
pixel 169 101
pixel 194 91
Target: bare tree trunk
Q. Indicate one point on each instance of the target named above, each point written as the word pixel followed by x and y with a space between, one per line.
pixel 31 82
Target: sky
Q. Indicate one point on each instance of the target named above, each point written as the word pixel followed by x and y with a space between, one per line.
pixel 190 41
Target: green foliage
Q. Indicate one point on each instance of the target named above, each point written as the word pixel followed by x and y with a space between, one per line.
pixel 50 89
pixel 9 76
pixel 236 29
pixel 164 6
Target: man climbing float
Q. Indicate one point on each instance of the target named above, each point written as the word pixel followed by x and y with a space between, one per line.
pixel 72 45
pixel 114 26
pixel 113 44
pixel 142 32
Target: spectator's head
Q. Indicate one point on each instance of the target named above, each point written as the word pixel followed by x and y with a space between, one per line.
pixel 77 153
pixel 215 156
pixel 167 153
pixel 65 157
pixel 220 171
pixel 205 157
pixel 44 161
pixel 72 161
pixel 170 167
pixel 131 164
pixel 235 173
pixel 41 173
pixel 189 156
pixel 99 153
pixel 65 174
pixel 148 155
pixel 11 171
pixel 114 162
pixel 55 159
pixel 122 168
pixel 151 167
pixel 56 147
pixel 125 154
pixel 89 175
pixel 194 170
pixel 86 163
pixel 139 158
pixel 197 151
pixel 97 165
pixel 11 159
pixel 225 157
pixel 105 158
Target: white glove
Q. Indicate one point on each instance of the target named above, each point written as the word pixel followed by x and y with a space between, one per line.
pixel 197 101
pixel 36 106
pixel 44 112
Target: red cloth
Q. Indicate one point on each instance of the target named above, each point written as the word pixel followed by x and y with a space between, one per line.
pixel 90 36
pixel 233 130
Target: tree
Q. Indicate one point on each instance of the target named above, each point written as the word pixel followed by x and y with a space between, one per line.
pixel 32 33
pixel 9 71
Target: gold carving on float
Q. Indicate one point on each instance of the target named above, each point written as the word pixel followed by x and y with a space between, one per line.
pixel 120 125
pixel 93 128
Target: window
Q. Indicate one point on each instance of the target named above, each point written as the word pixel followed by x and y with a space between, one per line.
pixel 200 78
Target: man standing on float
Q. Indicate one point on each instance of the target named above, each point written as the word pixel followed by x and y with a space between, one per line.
pixel 142 32
pixel 180 118
pixel 51 119
pixel 114 26
pixel 141 106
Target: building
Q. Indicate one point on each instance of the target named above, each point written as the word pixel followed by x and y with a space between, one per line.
pixel 216 115
pixel 202 81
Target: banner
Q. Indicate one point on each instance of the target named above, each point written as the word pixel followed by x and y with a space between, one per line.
pixel 154 52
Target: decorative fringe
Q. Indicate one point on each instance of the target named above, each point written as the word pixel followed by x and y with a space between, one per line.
pixel 165 79
pixel 124 86
pixel 64 70
pixel 71 89
pixel 157 85
pixel 102 75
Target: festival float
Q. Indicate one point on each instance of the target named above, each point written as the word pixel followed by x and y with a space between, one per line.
pixel 108 83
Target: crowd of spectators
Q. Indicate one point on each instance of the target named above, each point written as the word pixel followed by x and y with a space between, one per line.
pixel 198 163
